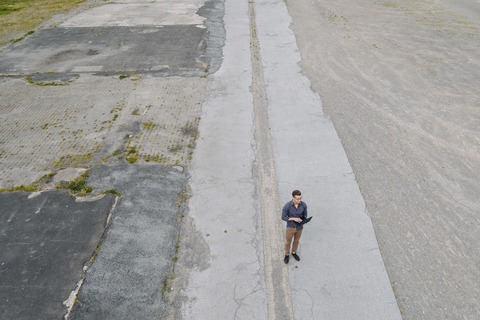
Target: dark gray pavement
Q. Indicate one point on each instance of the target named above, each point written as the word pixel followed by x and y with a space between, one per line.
pixel 107 49
pixel 135 261
pixel 48 239
pixel 45 242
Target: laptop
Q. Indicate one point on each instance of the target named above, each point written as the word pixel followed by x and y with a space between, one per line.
pixel 304 220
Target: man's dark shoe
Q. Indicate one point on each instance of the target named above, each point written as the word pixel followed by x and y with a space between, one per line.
pixel 286 260
pixel 296 256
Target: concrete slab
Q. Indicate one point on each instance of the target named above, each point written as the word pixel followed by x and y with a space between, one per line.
pixel 158 13
pixel 107 49
pixel 45 241
pixel 223 205
pixel 72 125
pixel 61 115
pixel 134 263
pixel 341 274
pixel 67 174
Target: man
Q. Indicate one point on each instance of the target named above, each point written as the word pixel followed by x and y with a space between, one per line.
pixel 293 212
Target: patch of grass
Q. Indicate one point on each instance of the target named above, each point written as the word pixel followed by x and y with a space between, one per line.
pixel 46 178
pixel 21 38
pixel 18 16
pixel 30 80
pixel 132 159
pixel 74 159
pixel 20 188
pixel 190 129
pixel 164 285
pixel 115 153
pixel 112 191
pixel 123 76
pixel 175 147
pixel 387 3
pixel 148 126
pixel 131 150
pixel 135 112
pixel 77 186
pixel 95 252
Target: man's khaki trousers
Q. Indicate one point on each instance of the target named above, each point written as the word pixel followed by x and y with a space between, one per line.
pixel 292 233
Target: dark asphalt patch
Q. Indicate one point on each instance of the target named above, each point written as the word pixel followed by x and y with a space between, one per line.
pixel 107 49
pixel 75 54
pixel 138 249
pixel 45 242
pixel 214 11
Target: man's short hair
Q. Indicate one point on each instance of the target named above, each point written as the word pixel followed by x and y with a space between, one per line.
pixel 296 193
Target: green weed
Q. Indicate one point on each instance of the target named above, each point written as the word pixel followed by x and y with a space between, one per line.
pixel 112 191
pixel 77 186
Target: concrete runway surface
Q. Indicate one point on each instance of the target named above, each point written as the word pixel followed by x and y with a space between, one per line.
pixel 205 115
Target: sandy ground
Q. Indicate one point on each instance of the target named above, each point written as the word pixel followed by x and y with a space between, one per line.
pixel 399 80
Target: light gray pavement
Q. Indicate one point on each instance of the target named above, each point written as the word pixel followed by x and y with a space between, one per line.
pixel 341 275
pixel 223 203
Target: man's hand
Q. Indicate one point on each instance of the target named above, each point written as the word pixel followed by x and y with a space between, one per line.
pixel 296 219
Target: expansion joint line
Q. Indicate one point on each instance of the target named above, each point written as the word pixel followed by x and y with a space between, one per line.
pixel 279 297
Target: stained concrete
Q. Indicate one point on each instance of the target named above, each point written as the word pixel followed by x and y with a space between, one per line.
pixel 107 49
pixel 134 13
pixel 224 206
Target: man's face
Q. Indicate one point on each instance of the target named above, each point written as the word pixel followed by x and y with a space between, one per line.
pixel 297 199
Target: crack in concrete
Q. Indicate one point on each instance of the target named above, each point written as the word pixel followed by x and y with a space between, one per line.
pixel 71 300
pixel 239 301
pixel 312 305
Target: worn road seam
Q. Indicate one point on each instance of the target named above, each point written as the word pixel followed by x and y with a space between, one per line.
pixel 279 296
pixel 70 302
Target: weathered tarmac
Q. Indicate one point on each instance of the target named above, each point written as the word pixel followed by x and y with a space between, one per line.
pixel 135 261
pixel 46 239
pixel 124 101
